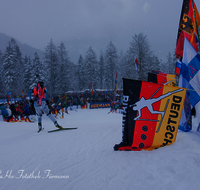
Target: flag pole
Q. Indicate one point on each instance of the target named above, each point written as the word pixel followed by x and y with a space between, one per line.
pixel 196 23
pixel 115 90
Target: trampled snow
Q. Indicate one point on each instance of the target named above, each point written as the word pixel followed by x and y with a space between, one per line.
pixel 84 158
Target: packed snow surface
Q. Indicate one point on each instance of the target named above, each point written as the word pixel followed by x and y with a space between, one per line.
pixel 84 158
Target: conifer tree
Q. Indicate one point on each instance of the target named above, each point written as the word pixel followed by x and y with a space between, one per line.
pixel 80 74
pixel 13 68
pixel 140 48
pixel 111 65
pixel 101 72
pixel 171 63
pixel 121 71
pixel 27 74
pixel 91 69
pixel 63 69
pixel 51 64
pixel 37 71
pixel 73 81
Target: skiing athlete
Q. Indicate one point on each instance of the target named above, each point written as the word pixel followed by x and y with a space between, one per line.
pixel 41 104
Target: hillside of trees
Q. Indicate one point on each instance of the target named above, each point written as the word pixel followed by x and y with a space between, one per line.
pixel 61 75
pixel 24 48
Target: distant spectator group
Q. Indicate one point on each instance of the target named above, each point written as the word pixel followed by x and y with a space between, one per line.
pixel 21 108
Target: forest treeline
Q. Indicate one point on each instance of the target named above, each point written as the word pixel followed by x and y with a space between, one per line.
pixel 18 73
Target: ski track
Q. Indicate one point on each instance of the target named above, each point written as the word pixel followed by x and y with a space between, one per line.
pixel 86 155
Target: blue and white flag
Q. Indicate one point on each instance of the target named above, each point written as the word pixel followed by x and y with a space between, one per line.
pixel 190 72
pixel 189 79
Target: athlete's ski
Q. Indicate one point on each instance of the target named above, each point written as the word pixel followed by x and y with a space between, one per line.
pixel 62 129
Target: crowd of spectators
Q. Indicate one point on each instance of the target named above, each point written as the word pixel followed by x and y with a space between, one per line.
pixel 21 108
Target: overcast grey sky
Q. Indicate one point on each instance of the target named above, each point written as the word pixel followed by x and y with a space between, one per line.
pixel 83 23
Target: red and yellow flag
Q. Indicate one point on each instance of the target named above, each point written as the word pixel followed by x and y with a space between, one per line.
pixel 189 21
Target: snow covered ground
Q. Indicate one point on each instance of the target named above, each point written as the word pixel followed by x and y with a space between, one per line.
pixel 84 158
